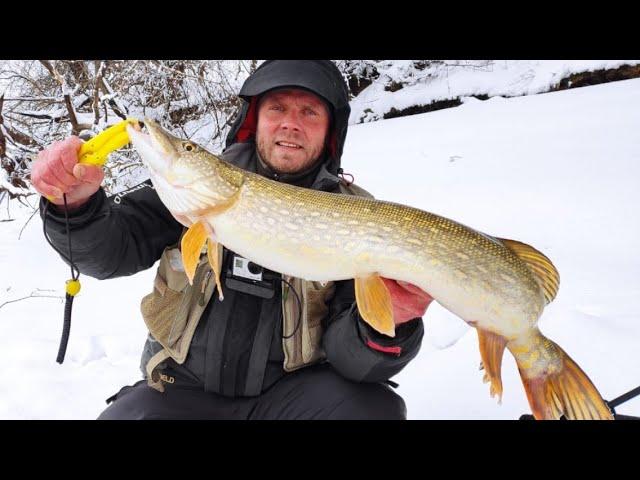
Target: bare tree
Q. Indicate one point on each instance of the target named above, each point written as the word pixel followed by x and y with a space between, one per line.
pixel 44 101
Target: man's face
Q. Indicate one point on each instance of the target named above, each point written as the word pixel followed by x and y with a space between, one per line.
pixel 291 131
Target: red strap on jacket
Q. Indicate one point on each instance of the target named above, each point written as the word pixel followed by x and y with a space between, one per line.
pixel 393 350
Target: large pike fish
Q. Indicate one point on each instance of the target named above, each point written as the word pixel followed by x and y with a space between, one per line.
pixel 498 286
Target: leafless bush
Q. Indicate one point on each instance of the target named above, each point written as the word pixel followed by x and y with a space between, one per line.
pixel 44 101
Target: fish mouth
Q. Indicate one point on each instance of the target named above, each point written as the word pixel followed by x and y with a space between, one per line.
pixel 154 147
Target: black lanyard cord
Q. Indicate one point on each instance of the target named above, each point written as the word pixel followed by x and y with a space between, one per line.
pixel 299 311
pixel 73 285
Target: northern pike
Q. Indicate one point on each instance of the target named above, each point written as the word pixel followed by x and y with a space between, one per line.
pixel 499 286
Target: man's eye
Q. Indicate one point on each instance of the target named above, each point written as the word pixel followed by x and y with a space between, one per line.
pixel 310 111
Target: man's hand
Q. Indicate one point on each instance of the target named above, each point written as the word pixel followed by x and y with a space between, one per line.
pixel 57 171
pixel 408 300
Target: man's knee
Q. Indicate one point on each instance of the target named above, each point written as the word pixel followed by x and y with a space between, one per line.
pixel 130 403
pixel 372 401
pixel 364 401
pixel 322 393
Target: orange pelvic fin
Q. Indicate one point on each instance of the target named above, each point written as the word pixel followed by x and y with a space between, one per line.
pixel 214 253
pixel 491 351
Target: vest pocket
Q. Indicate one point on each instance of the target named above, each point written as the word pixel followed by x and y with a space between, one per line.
pixel 168 308
pixel 160 310
pixel 316 304
pixel 305 346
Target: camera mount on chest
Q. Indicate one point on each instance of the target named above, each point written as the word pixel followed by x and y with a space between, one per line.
pixel 246 276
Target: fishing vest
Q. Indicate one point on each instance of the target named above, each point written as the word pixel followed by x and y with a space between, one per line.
pixel 174 308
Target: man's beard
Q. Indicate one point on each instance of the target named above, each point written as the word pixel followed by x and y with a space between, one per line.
pixel 309 164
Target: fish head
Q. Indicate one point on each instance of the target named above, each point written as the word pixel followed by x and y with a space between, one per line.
pixel 176 160
pixel 185 175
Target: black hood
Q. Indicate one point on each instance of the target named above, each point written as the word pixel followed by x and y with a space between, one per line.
pixel 321 77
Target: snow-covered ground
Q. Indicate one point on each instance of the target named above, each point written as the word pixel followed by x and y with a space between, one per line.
pixel 465 78
pixel 560 171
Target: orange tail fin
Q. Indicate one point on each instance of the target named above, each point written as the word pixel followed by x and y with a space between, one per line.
pixel 556 385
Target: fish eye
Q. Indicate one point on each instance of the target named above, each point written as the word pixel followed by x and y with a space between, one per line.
pixel 189 147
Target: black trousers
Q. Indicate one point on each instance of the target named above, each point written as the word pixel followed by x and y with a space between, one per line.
pixel 311 393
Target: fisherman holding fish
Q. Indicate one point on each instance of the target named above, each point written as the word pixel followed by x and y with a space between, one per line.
pixel 264 345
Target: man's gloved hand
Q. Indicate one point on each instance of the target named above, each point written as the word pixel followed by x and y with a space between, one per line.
pixel 57 171
pixel 408 300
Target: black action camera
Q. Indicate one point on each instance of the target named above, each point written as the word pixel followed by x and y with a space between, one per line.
pixel 248 277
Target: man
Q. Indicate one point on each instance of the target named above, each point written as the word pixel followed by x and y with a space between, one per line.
pixel 275 347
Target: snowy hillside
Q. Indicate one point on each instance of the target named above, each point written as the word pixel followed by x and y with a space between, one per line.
pixel 453 79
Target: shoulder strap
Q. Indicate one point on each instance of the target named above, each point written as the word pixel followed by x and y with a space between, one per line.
pixel 153 377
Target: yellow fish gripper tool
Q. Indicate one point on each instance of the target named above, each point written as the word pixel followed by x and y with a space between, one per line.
pixel 96 150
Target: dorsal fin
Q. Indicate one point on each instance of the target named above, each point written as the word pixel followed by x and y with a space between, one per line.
pixel 542 268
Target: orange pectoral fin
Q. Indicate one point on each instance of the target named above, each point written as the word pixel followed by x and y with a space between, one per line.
pixel 191 247
pixel 374 304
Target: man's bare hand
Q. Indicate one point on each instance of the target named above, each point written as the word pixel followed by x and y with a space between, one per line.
pixel 57 171
pixel 408 301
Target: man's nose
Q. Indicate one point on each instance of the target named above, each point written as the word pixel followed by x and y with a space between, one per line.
pixel 291 121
